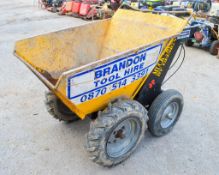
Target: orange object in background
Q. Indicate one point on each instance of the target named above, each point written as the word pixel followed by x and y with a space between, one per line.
pixel 69 6
pixel 66 7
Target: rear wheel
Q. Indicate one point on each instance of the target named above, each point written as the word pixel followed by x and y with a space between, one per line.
pixel 117 131
pixel 214 47
pixel 57 109
pixel 165 112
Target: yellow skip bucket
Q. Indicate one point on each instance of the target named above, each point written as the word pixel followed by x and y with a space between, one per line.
pixel 90 65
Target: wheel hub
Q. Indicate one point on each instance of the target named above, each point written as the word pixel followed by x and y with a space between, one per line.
pixel 169 115
pixel 123 137
pixel 119 134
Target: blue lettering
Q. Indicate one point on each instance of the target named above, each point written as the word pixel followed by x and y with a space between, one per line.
pixel 129 62
pixel 106 71
pixel 96 83
pixel 141 66
pixel 114 86
pixel 136 59
pixel 114 69
pixel 122 65
pixel 103 81
pixel 98 74
pixel 143 57
pixel 111 78
pixel 136 68
pixel 127 72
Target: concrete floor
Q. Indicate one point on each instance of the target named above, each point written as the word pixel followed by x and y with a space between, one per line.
pixel 32 142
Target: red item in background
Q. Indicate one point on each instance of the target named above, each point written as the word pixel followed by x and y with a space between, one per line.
pixel 76 7
pixel 63 7
pixel 92 13
pixel 84 9
pixel 91 1
pixel 198 36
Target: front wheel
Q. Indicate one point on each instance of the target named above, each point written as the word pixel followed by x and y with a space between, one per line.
pixel 117 131
pixel 164 112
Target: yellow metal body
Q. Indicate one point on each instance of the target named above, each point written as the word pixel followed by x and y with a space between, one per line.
pixel 56 56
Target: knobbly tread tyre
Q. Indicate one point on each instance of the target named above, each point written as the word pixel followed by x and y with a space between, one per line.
pixel 101 128
pixel 213 49
pixel 159 104
pixel 51 103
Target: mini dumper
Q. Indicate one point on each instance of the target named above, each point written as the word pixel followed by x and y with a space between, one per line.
pixel 111 70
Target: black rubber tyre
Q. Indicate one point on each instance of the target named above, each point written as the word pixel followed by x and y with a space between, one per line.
pixel 161 121
pixel 214 47
pixel 189 43
pixel 99 143
pixel 57 109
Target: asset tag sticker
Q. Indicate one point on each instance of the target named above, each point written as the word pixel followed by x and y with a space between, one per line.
pixel 98 81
